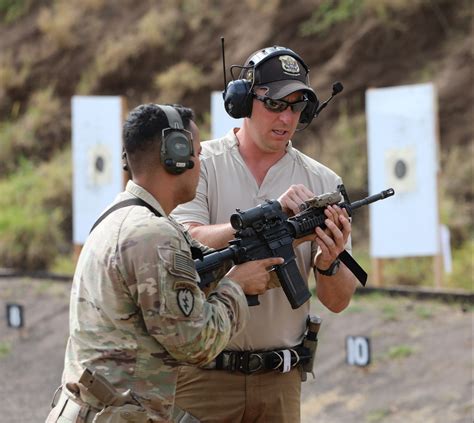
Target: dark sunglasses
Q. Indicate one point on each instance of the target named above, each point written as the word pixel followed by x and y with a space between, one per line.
pixel 279 106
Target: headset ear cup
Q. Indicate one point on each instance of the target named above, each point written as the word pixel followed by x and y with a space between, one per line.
pixel 237 99
pixel 308 113
pixel 176 147
pixel 176 153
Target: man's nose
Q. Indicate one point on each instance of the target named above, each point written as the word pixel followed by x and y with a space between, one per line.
pixel 287 116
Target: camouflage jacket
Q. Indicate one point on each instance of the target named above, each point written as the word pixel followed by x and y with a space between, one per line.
pixel 136 312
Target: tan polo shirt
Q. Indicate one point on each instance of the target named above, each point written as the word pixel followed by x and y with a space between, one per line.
pixel 225 184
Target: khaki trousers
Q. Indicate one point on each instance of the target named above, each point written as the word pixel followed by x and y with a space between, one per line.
pixel 229 397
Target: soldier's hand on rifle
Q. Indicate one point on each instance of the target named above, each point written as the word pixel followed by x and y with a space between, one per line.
pixel 254 276
pixel 332 240
pixel 291 199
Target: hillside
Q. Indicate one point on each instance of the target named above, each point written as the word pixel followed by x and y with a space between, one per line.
pixel 169 51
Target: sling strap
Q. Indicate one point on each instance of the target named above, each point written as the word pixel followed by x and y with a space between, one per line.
pixel 354 267
pixel 125 203
pixel 195 251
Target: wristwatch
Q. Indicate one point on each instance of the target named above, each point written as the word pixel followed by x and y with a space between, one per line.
pixel 331 270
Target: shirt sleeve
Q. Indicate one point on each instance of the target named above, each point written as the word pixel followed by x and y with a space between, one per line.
pixel 175 311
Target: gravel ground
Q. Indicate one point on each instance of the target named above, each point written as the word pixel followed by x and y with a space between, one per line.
pixel 421 366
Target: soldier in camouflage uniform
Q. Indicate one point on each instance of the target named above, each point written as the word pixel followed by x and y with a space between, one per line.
pixel 136 311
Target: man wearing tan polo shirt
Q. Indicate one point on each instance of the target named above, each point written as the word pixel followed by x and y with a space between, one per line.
pixel 241 170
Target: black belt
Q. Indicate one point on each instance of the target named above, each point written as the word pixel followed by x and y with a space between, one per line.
pixel 254 361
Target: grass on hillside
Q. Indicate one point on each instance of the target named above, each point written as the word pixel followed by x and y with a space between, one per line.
pixel 35 202
pixel 35 197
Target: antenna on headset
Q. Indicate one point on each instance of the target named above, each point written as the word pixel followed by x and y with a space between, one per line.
pixel 337 87
pixel 223 66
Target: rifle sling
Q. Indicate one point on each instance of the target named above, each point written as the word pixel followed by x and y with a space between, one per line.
pixel 125 203
pixel 195 252
pixel 354 267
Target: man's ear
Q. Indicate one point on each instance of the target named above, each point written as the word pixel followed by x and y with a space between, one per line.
pixel 124 160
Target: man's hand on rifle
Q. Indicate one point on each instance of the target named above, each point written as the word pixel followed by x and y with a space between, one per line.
pixel 254 275
pixel 331 241
pixel 293 197
pixel 290 202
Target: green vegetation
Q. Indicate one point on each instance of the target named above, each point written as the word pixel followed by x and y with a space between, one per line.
pixel 158 30
pixel 419 271
pixel 13 75
pixel 160 53
pixel 28 137
pixel 11 10
pixel 400 351
pixel 463 267
pixel 5 348
pixel 424 312
pixel 63 264
pixel 265 7
pixel 178 80
pixel 57 23
pixel 390 312
pixel 456 188
pixel 377 416
pixel 51 289
pixel 345 141
pixel 35 204
pixel 331 13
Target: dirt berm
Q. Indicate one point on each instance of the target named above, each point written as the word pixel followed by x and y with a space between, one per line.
pixel 421 366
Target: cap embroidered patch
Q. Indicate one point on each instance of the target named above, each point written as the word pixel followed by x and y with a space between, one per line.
pixel 290 65
pixel 185 301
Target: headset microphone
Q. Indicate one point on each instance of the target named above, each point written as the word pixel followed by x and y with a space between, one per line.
pixel 337 87
pixel 223 67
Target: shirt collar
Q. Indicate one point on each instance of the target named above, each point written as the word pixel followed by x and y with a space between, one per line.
pixel 138 191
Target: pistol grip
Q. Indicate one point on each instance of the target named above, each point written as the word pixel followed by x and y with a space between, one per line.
pixel 252 300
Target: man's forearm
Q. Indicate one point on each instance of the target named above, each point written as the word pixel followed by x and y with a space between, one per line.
pixel 215 236
pixel 336 291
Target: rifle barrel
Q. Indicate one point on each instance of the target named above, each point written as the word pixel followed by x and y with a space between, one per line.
pixel 372 199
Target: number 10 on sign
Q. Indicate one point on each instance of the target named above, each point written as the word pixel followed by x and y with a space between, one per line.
pixel 358 351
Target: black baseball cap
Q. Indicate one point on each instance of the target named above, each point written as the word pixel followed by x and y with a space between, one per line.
pixel 280 70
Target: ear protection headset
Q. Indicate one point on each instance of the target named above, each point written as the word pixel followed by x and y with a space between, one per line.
pixel 238 97
pixel 176 143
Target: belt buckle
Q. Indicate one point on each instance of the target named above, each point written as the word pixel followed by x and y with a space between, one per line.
pixel 250 362
pixel 260 361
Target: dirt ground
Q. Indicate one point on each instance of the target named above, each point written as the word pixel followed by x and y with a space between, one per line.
pixel 421 359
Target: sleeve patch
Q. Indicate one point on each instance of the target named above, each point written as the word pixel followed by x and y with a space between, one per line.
pixel 182 263
pixel 185 301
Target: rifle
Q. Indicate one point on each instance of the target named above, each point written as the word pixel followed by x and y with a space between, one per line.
pixel 267 231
